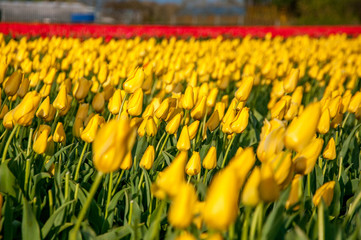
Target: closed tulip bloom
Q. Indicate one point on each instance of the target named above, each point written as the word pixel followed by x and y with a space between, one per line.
pixel 325 192
pixel 45 90
pixel 185 236
pixel 187 99
pixel 50 76
pixel 244 91
pixel 11 85
pixel 61 100
pixel 210 160
pixel 114 140
pixel 193 129
pixel 24 87
pixel 8 120
pixel 135 104
pixel 148 158
pixel 25 111
pixel 330 150
pixel 323 125
pixel 151 127
pixel 345 102
pixel 213 121
pixel 279 109
pixel 41 140
pixel 271 144
pixel 297 95
pixel 179 214
pixel 4 111
pixel 221 204
pixel 51 115
pixel 90 131
pixel 98 102
pixel 268 188
pixel 59 134
pixel 78 127
pixel 172 177
pixel 220 108
pixel 282 166
pixel 241 121
pixel 103 72
pixel 163 109
pixel 305 161
pixel 141 128
pixel 291 112
pixel 334 106
pixel 227 121
pixel 193 166
pixel 184 143
pixel 212 97
pixel 199 110
pixel 148 111
pixel 127 162
pixel 173 125
pixel 134 81
pixel 301 130
pixel 355 102
pixel 81 88
pixel 250 193
pixel 82 112
pixel 68 106
pixel 44 109
pixel 290 82
pixel 295 193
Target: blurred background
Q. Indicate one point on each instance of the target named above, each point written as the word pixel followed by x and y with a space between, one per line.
pixel 185 12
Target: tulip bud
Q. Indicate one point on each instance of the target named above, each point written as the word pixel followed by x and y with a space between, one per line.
pixel 193 166
pixel 151 127
pixel 172 177
pixel 68 106
pixel 135 103
pixel 50 76
pixel 241 121
pixel 81 88
pixel 135 81
pixel 244 91
pixel 334 106
pixel 185 236
pixel 184 143
pixel 271 144
pixel 11 85
pixel 297 95
pixel 59 134
pixel 301 130
pixel 115 102
pixel 98 102
pixel 4 111
pixel 114 140
pixel 295 193
pixel 193 129
pixel 127 161
pixel 61 100
pixel 330 150
pixel 25 111
pixel 213 121
pixel 82 112
pixel 44 109
pixel 212 96
pixel 78 127
pixel 290 82
pixel 187 100
pixel 305 161
pixel 283 168
pixel 355 102
pixel 40 143
pixel 179 214
pixel 220 107
pixel 45 90
pixel 163 109
pixel 103 73
pixel 89 133
pixel 325 192
pixel 210 160
pixel 250 194
pixel 148 158
pixel 8 120
pixel 324 124
pixel 345 102
pixel 24 87
pixel 173 124
pixel 268 189
pixel 221 205
pixel 199 110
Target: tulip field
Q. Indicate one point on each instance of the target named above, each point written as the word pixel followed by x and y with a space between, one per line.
pixel 180 137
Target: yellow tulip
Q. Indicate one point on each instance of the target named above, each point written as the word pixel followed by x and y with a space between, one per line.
pixel 163 109
pixel 221 204
pixel 90 131
pixel 295 193
pixel 98 102
pixel 183 143
pixel 250 193
pixel 25 111
pixel 268 188
pixel 41 141
pixel 323 125
pixel 50 76
pixel 135 103
pixel 244 91
pixel 213 121
pixel 24 87
pixel 45 90
pixel 301 130
pixel 8 120
pixel 212 96
pixel 59 134
pixel 305 161
pixel 11 84
pixel 325 192
pixel 193 166
pixel 185 236
pixel 271 144
pixel 134 81
pixel 187 99
pixel 290 82
pixel 240 122
pixel 180 214
pixel 193 129
pixel 68 106
pixel 282 166
pixel 354 102
pixel 151 127
pixel 4 111
pixel 127 162
pixel 173 124
pixel 44 109
pixel 210 160
pixel 114 140
pixel 330 150
pixel 148 158
pixel 81 88
pixel 199 110
pixel 297 95
pixel 61 100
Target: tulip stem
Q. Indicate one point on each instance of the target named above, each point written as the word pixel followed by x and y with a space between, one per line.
pixel 55 122
pixel 27 174
pixel 79 162
pixel 110 185
pixel 189 179
pixel 340 168
pixel 118 181
pixel 73 233
pixel 130 212
pixel 227 151
pixel 160 140
pixel 324 168
pixel 255 220
pixel 8 143
pixel 321 222
pixel 141 179
pixel 121 106
pixel 246 224
pixel 309 184
pixel 205 176
pixel 204 122
pixel 165 141
pixel 29 142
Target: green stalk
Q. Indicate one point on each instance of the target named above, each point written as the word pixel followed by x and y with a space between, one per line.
pixel 246 224
pixel 29 142
pixel 205 176
pixel 110 185
pixel 165 141
pixel 67 176
pixel 130 213
pixel 8 143
pixel 141 179
pixel 227 151
pixel 51 204
pixel 118 181
pixel 27 174
pixel 74 232
pixel 79 162
pixel 121 106
pixel 340 168
pixel 321 222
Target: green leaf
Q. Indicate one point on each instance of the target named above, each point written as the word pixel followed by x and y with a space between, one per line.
pixel 346 144
pixel 7 180
pixel 116 233
pixel 274 223
pixel 50 222
pixel 29 226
